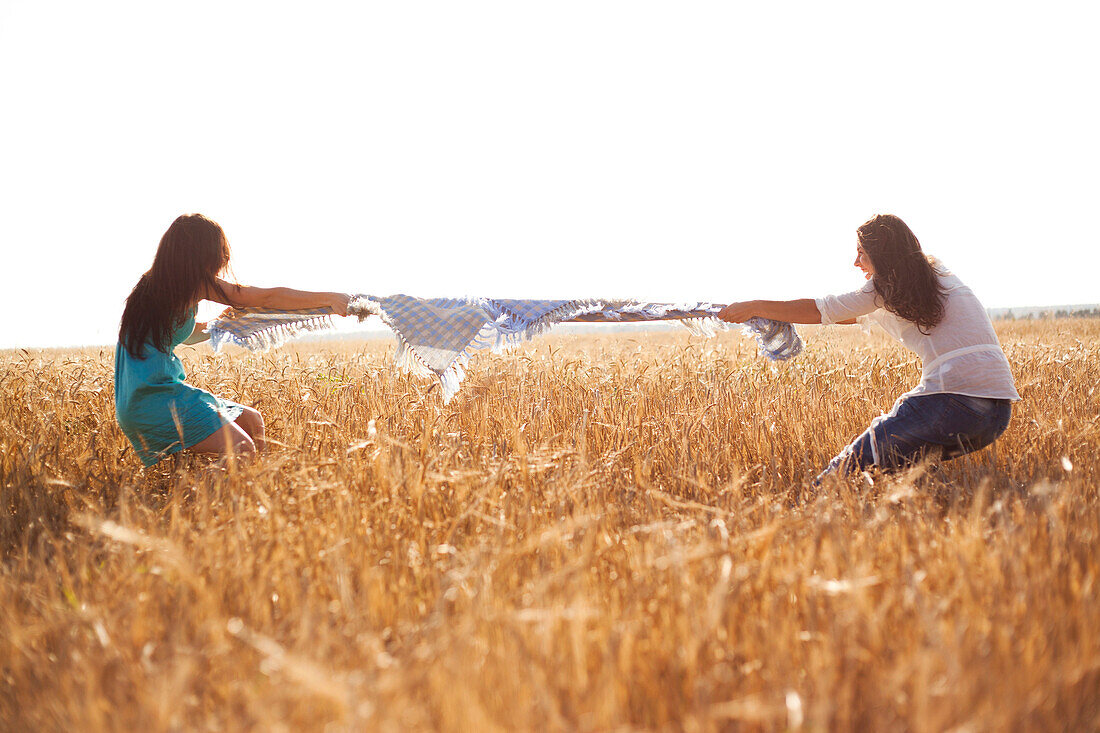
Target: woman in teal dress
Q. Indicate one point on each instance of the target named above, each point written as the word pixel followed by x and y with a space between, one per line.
pixel 158 412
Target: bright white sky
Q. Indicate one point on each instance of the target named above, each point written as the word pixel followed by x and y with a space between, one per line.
pixel 671 151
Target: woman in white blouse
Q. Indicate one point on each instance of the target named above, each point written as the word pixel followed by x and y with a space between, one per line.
pixel 964 399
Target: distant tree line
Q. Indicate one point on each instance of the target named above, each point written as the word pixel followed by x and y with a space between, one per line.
pixel 1028 314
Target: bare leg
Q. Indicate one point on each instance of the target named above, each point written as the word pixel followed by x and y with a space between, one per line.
pixel 229 439
pixel 252 422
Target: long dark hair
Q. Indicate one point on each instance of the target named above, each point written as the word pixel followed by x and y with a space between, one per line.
pixel 191 254
pixel 905 277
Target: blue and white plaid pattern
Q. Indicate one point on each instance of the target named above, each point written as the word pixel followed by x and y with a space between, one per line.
pixel 258 328
pixel 530 311
pixel 437 330
pixel 519 320
pixel 438 336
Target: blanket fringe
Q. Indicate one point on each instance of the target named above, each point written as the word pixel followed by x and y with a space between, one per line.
pixel 512 331
pixel 707 327
pixel 272 336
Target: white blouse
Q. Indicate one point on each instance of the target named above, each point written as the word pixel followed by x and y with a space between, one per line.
pixel 961 355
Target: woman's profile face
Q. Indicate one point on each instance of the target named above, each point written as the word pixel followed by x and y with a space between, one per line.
pixel 863 262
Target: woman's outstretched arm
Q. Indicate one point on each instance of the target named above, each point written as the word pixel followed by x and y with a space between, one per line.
pixel 803 310
pixel 244 296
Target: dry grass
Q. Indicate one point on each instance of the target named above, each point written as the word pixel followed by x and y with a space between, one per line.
pixel 599 532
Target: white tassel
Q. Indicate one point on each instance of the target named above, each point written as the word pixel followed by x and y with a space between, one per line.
pixel 271 337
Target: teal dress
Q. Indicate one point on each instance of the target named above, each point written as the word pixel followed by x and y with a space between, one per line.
pixel 157 411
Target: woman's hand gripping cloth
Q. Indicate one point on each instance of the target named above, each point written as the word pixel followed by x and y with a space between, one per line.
pixel 437 336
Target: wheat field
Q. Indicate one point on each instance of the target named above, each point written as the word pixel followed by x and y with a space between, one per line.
pixel 600 532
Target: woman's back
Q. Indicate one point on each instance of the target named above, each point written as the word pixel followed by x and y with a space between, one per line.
pixel 152 367
pixel 961 354
pixel 156 409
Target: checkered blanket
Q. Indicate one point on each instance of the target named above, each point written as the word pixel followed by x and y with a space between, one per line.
pixel 436 337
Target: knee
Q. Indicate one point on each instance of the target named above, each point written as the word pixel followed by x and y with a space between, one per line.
pixel 244 443
pixel 859 455
pixel 251 421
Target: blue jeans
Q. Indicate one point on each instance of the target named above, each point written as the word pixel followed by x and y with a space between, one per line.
pixel 938 425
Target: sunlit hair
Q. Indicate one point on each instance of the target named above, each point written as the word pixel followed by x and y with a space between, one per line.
pixel 191 254
pixel 905 277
